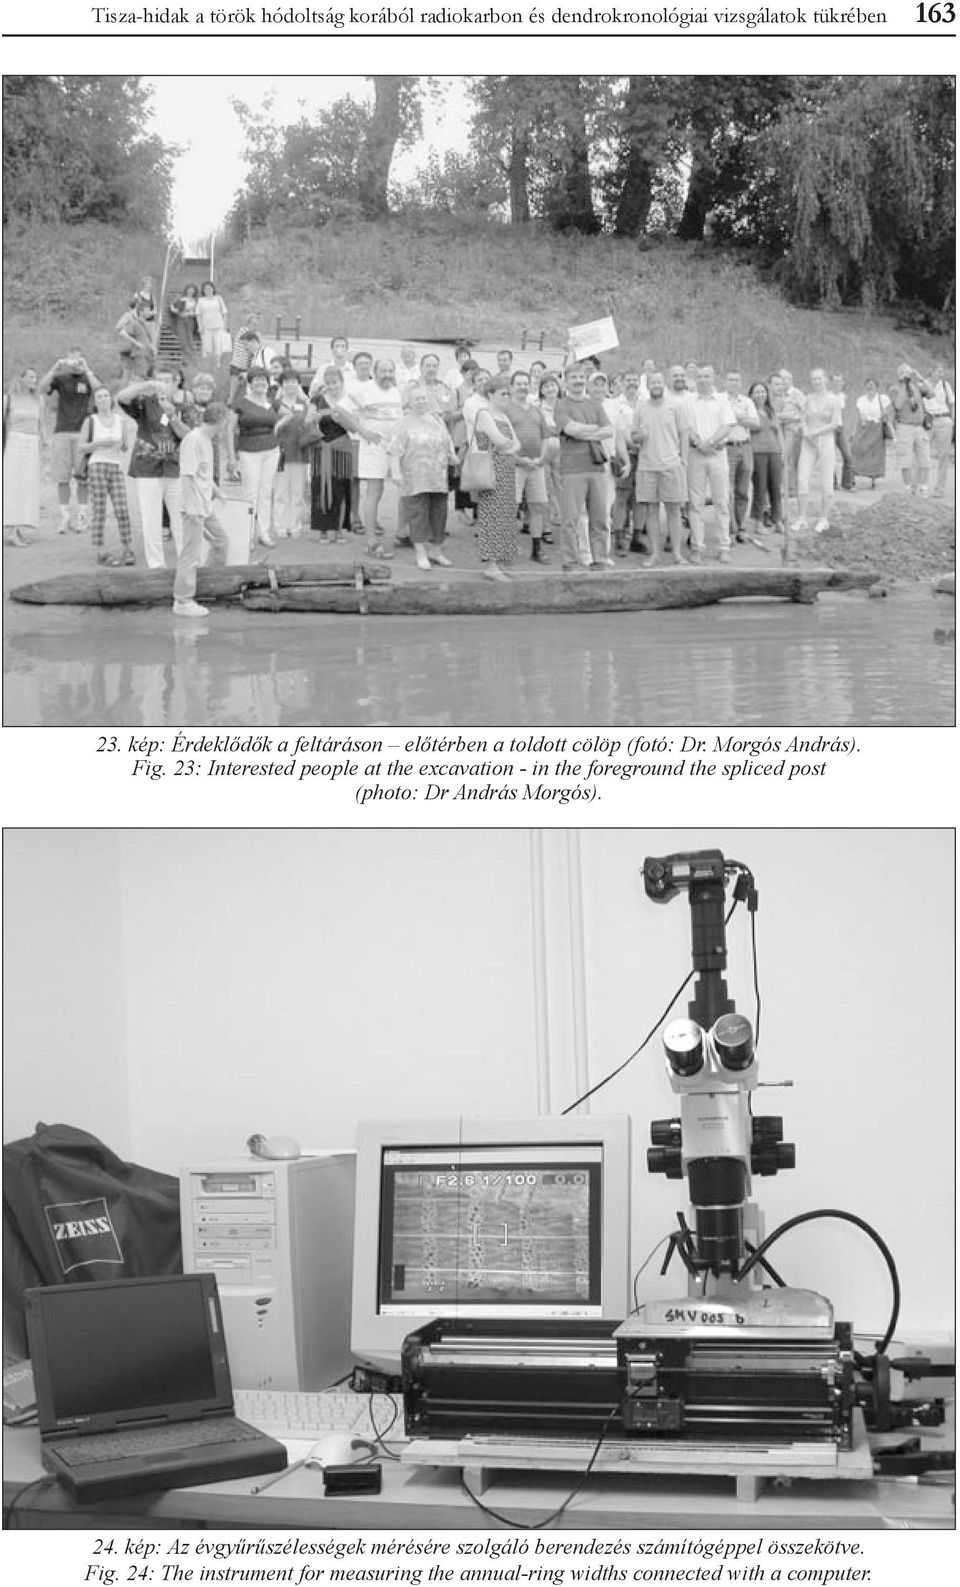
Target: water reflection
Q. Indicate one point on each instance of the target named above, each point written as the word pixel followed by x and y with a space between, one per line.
pixel 843 660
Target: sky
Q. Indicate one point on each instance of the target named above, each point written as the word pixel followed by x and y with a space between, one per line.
pixel 195 112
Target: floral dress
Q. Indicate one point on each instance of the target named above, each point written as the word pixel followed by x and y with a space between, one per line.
pixel 497 509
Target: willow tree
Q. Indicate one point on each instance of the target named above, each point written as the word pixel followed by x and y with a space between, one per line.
pixel 866 174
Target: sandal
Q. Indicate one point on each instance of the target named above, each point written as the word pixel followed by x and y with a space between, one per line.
pixel 128 559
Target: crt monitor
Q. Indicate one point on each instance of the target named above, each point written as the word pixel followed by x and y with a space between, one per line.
pixel 466 1217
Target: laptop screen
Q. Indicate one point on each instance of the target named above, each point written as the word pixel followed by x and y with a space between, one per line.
pixel 107 1352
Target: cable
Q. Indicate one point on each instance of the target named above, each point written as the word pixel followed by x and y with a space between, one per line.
pixel 536 1526
pixel 381 1434
pixel 15 1504
pixel 636 1052
pixel 766 1266
pixel 645 1264
pixel 846 1217
pixel 647 1038
pixel 745 888
pixel 756 976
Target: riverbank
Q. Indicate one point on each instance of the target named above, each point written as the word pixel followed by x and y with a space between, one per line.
pixel 844 660
pixel 905 539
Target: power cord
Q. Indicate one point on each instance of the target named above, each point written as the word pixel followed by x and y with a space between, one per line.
pixel 382 1433
pixel 647 1038
pixel 16 1507
pixel 745 891
pixel 643 1265
pixel 537 1526
pixel 845 1217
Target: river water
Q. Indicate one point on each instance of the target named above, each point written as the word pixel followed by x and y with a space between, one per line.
pixel 843 660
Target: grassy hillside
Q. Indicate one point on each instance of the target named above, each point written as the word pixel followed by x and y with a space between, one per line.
pixel 437 277
pixel 66 283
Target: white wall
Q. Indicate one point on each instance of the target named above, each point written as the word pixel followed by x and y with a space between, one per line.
pixel 64 1051
pixel 174 991
pixel 296 981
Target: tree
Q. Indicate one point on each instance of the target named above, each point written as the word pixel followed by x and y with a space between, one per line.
pixel 866 172
pixel 305 171
pixel 504 116
pixel 79 148
pixel 643 156
pixel 570 204
pixel 457 184
pixel 539 131
pixel 336 162
pixel 395 118
pixel 722 120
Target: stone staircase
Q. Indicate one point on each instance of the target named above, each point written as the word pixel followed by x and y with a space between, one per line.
pixel 196 265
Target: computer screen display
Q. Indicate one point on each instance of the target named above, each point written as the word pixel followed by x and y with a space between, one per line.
pixel 504 1228
pixel 488 1219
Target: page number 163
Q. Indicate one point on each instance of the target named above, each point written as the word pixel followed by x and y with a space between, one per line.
pixel 936 13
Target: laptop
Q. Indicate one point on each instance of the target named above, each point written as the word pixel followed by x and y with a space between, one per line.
pixel 133 1387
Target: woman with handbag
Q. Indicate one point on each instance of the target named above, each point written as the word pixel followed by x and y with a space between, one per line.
pixel 104 449
pixel 489 471
pixel 873 428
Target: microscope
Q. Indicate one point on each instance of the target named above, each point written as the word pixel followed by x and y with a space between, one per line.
pixel 742 1374
pixel 742 1357
pixel 718 1144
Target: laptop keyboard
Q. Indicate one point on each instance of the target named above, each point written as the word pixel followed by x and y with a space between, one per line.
pixel 289 1414
pixel 144 1442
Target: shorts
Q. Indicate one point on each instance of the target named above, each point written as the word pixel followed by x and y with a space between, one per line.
pixel 63 455
pixel 374 462
pixel 532 486
pixel 913 446
pixel 663 484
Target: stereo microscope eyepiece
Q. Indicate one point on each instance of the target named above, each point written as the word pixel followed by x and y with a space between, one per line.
pixel 683 1044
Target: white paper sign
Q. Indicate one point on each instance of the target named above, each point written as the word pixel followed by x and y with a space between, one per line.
pixel 596 336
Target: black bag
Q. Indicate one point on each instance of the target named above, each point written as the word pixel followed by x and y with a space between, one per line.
pixel 73 1211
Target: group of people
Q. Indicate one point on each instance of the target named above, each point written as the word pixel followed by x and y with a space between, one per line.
pixel 198 315
pixel 601 464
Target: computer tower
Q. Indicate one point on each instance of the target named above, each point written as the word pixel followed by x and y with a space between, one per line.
pixel 279 1237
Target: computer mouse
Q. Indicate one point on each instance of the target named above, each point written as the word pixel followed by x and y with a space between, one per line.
pixel 336 1449
pixel 275 1146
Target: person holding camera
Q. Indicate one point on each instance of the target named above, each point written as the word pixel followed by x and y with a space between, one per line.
pixel 912 428
pixel 157 406
pixel 72 382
